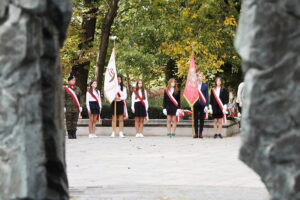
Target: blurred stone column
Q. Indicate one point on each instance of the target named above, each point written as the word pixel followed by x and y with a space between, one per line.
pixel 268 41
pixel 32 143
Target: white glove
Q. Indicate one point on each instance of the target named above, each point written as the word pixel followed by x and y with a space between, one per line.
pixel 210 108
pixel 80 109
pixel 240 104
pixel 132 110
pixel 64 109
pixel 225 109
pixel 177 112
pixel 205 109
pixel 165 111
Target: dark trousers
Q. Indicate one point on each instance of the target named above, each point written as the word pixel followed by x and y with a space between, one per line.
pixel 71 120
pixel 198 117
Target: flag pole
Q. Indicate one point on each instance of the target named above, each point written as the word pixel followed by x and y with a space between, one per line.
pixel 193 120
pixel 115 103
pixel 193 125
pixel 115 106
pixel 115 119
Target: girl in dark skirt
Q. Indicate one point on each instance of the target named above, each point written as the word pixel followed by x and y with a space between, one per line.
pixel 171 105
pixel 219 98
pixel 93 104
pixel 121 108
pixel 139 106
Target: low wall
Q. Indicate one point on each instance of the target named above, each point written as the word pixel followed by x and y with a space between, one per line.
pixel 157 127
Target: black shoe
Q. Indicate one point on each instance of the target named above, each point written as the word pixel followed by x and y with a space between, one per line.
pixel 215 136
pixel 70 136
pixel 201 136
pixel 195 136
pixel 220 136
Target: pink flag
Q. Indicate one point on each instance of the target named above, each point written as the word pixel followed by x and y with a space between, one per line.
pixel 191 87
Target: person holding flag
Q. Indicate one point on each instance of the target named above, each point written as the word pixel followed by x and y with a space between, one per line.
pixel 171 106
pixel 139 106
pixel 201 106
pixel 121 107
pixel 93 105
pixel 196 94
pixel 116 94
pixel 72 106
pixel 219 99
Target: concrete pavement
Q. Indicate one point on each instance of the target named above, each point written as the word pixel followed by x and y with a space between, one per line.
pixel 160 168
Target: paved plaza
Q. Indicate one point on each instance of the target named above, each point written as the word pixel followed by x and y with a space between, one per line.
pixel 160 168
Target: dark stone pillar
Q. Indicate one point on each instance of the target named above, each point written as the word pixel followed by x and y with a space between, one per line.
pixel 32 144
pixel 268 41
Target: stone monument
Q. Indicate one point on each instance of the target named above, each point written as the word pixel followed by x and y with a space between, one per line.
pixel 268 41
pixel 32 143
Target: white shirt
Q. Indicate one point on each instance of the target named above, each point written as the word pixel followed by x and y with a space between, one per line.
pixel 199 86
pixel 240 93
pixel 171 91
pixel 89 98
pixel 133 99
pixel 218 90
pixel 122 93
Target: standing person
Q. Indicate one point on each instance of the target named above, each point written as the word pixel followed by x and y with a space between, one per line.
pixel 72 106
pixel 240 96
pixel 121 108
pixel 171 105
pixel 200 107
pixel 139 106
pixel 93 105
pixel 218 105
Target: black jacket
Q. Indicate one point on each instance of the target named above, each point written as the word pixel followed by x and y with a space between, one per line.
pixel 204 90
pixel 167 101
pixel 224 96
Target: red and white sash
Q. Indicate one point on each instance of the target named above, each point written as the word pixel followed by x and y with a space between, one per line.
pixel 202 98
pixel 143 102
pixel 125 107
pixel 74 96
pixel 90 92
pixel 220 104
pixel 172 98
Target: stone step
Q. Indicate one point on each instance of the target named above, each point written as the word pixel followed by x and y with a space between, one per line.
pixel 156 123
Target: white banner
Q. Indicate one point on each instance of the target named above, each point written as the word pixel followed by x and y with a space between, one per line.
pixel 111 79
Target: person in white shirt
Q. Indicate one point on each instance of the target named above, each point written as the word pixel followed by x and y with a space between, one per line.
pixel 93 105
pixel 139 106
pixel 121 108
pixel 240 96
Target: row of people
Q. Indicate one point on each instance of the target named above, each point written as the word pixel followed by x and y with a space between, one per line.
pixel 217 105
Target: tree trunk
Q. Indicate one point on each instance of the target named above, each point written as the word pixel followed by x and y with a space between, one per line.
pixel 89 18
pixel 128 82
pixel 171 71
pixel 105 33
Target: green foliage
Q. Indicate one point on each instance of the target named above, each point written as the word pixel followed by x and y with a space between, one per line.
pixel 150 32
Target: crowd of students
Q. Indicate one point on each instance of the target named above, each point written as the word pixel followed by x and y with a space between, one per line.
pixel 216 105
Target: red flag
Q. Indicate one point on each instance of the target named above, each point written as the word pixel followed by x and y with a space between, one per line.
pixel 191 87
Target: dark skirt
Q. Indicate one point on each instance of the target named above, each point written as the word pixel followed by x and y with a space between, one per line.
pixel 139 109
pixel 217 113
pixel 94 107
pixel 120 108
pixel 171 109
